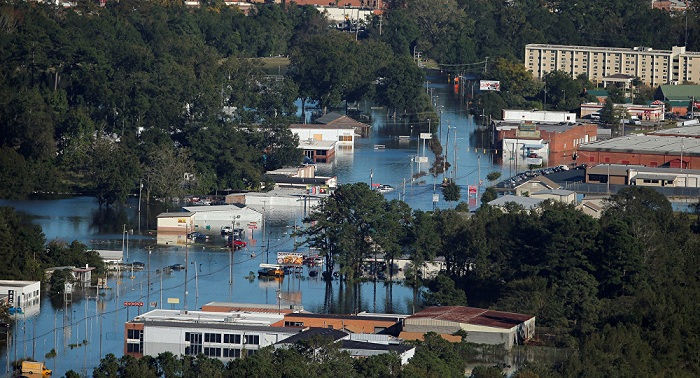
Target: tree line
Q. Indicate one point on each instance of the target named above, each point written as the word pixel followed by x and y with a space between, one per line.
pixel 174 100
pixel 620 286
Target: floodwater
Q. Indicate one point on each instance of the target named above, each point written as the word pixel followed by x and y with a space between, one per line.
pixel 91 325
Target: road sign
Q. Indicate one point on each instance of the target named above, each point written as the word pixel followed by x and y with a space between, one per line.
pixel 426 136
pixel 133 304
pixel 153 304
pixel 436 197
pixel 422 159
pixel 253 225
pixel 173 300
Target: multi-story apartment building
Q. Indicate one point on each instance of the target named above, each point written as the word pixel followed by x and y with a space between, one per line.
pixel 653 67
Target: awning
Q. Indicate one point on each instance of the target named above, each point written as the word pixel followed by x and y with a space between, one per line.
pixel 651 176
pixel 533 146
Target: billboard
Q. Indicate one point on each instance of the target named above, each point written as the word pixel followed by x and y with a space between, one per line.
pixel 489 85
pixel 290 258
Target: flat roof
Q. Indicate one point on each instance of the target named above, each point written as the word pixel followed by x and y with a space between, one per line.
pixel 204 208
pixel 689 131
pixel 175 214
pixel 343 317
pixel 526 202
pixel 652 176
pixel 651 144
pixel 320 126
pixel 209 317
pixel 364 345
pixel 327 333
pixel 472 315
pixel 612 169
pixel 596 48
pixel 316 144
pixel 558 192
pixel 17 283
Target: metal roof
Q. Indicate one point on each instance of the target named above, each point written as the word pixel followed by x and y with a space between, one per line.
pixel 680 92
pixel 612 169
pixel 364 345
pixel 472 315
pixel 686 131
pixel 326 333
pixel 652 176
pixel 650 144
pixel 175 214
pixel 526 202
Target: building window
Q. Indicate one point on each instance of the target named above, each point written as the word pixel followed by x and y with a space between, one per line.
pixel 212 337
pixel 195 339
pixel 251 339
pixel 232 353
pixel 345 138
pixel 134 341
pixel 212 352
pixel 232 339
pixel 293 324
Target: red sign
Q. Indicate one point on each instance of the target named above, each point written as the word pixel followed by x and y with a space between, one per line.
pixel 133 304
pixel 472 189
pixel 696 104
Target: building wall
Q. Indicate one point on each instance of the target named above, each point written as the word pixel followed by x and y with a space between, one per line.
pixel 162 338
pixel 354 325
pixel 340 136
pixel 563 145
pixel 176 224
pixel 558 149
pixel 27 293
pixel 646 159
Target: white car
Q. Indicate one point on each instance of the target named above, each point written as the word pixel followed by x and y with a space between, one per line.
pixel 564 167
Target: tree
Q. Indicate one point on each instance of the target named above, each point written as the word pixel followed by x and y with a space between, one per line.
pixel 114 171
pixel 451 192
pixel 444 293
pixel 489 195
pixel 345 225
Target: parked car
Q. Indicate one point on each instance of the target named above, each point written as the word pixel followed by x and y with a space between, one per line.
pixel 177 267
pixel 197 236
pixel 564 167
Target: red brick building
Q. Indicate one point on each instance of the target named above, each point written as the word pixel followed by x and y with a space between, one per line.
pixel 562 141
pixel 647 150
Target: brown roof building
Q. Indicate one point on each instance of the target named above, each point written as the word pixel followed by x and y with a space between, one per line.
pixel 482 326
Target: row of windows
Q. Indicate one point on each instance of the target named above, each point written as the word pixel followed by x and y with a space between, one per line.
pixel 228 338
pixel 134 347
pixel 134 334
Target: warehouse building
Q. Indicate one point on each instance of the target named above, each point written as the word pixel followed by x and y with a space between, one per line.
pixel 482 326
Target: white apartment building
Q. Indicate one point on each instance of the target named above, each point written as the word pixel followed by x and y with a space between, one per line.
pixel 653 67
pixel 24 295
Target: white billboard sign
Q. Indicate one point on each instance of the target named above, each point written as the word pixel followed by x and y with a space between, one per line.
pixel 489 85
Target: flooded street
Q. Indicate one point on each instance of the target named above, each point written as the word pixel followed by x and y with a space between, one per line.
pixel 92 325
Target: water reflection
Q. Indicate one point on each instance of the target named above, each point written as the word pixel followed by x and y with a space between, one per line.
pixel 225 276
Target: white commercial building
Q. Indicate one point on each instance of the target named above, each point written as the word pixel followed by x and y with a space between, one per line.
pixel 24 295
pixel 341 134
pixel 222 335
pixel 511 115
